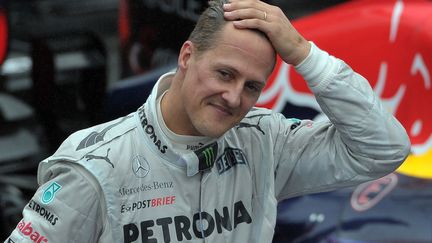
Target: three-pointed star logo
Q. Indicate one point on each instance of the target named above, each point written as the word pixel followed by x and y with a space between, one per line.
pixel 140 166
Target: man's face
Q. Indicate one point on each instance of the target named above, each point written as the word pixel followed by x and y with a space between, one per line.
pixel 222 84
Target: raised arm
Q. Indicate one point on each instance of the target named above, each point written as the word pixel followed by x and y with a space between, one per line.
pixel 362 141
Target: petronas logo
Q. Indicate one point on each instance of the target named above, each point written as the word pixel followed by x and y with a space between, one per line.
pixel 209 156
pixel 49 193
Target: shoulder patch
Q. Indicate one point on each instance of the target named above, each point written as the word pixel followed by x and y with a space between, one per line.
pixel 48 194
pixel 295 123
pixel 95 137
pixel 254 122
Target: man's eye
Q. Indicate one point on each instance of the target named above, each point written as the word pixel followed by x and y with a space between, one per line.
pixel 225 75
pixel 253 87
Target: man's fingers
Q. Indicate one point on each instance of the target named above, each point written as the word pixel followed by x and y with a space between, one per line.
pixel 271 20
pixel 248 13
pixel 233 5
pixel 249 24
pixel 255 9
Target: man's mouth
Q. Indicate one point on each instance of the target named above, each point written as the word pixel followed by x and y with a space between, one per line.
pixel 222 109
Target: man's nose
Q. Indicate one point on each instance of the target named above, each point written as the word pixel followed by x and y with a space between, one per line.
pixel 232 95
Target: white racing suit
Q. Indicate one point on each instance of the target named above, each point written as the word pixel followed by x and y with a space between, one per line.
pixel 121 181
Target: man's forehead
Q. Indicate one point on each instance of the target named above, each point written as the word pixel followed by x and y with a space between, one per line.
pixel 246 43
pixel 240 38
pixel 241 63
pixel 233 32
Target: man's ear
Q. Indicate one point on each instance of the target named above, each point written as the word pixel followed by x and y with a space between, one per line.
pixel 185 54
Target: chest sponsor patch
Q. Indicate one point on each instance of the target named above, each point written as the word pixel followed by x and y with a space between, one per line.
pixel 229 159
pixel 140 166
pixel 155 185
pixel 147 203
pixel 181 228
pixel 207 156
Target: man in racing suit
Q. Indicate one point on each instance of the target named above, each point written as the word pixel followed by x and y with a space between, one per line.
pixel 197 163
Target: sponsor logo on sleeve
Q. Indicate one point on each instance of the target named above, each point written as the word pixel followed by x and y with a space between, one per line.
pixel 43 212
pixel 27 230
pixel 49 193
pixel 369 194
pixel 295 123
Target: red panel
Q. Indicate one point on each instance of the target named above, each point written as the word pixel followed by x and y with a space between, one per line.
pixel 3 35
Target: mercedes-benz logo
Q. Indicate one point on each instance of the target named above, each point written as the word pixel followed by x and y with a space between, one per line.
pixel 140 166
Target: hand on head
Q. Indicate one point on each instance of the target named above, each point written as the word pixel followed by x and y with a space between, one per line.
pixel 291 46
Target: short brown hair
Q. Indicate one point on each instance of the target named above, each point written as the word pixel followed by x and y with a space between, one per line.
pixel 209 24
